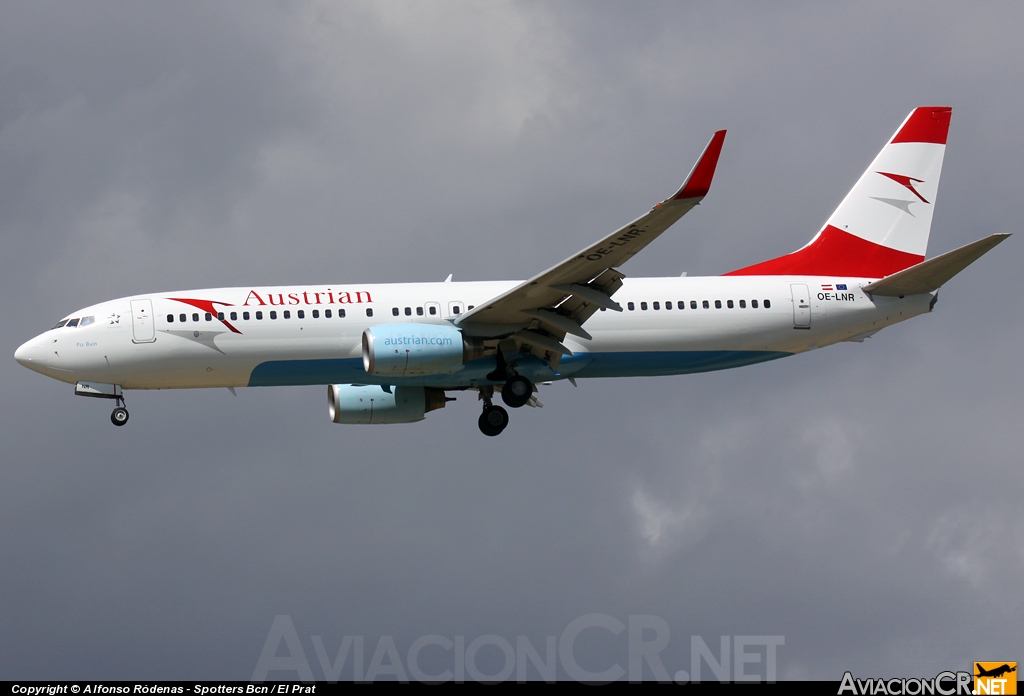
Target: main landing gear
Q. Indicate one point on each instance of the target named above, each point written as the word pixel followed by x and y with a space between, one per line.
pixel 493 420
pixel 516 393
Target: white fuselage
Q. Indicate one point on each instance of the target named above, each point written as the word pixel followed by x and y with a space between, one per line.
pixel 168 340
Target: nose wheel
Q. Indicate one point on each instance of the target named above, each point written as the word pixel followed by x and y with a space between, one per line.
pixel 119 416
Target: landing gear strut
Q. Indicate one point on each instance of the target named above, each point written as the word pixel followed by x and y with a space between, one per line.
pixel 119 416
pixel 494 419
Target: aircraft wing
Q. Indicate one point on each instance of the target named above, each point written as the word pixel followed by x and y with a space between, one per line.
pixel 541 310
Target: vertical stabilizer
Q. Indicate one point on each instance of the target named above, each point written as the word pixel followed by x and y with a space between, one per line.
pixel 882 225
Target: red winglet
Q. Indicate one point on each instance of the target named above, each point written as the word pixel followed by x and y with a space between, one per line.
pixel 698 183
pixel 927 124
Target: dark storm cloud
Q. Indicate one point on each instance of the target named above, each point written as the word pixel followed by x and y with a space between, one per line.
pixel 860 500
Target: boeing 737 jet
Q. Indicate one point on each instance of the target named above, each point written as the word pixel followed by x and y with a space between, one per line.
pixel 392 353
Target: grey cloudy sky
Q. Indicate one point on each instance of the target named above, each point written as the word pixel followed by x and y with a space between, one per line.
pixel 863 501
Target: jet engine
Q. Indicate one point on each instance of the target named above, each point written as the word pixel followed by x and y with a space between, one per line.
pixel 372 403
pixel 412 350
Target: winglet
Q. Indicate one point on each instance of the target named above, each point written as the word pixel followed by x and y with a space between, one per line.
pixel 698 183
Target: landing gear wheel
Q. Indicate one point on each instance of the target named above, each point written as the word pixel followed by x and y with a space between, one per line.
pixel 517 391
pixel 119 416
pixel 493 420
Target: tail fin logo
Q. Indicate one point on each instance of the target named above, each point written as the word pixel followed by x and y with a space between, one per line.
pixel 908 182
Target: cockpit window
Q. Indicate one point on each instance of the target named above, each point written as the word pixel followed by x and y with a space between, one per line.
pixel 86 321
pixel 61 323
pixel 72 322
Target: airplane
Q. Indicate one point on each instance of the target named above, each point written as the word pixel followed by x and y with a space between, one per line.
pixel 997 672
pixel 391 353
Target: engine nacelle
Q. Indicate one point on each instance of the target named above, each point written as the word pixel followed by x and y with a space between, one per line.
pixel 370 403
pixel 414 350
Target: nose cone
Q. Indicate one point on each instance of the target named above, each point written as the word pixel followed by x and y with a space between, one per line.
pixel 25 353
pixel 32 354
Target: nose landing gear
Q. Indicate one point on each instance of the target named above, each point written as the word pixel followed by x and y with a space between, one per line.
pixel 106 391
pixel 119 416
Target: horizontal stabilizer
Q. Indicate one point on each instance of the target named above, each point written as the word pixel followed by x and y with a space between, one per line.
pixel 930 275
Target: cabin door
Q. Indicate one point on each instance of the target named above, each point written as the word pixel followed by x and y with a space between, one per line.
pixel 143 324
pixel 801 306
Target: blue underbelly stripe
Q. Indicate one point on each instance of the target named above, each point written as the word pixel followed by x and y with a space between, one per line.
pixel 661 363
pixel 279 373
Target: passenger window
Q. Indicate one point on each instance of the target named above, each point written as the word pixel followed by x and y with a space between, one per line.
pixel 195 316
pixel 603 309
pixel 718 304
pixel 220 316
pixel 234 316
pixel 369 311
pixel 743 304
pixel 643 306
pixel 433 310
pixel 72 322
pixel 728 304
pixel 630 306
pixel 767 304
pixel 327 314
pixel 656 305
pixel 301 313
pixel 316 313
pixel 470 307
pixel 394 311
pixel 86 321
pixel 707 305
pixel 753 303
pixel 693 304
pixel 408 311
pixel 273 314
pixel 209 317
pixel 286 314
pixel 245 315
pixel 456 309
pixel 668 305
pixel 170 318
pixel 259 316
pixel 341 313
pixel 419 311
pixel 181 317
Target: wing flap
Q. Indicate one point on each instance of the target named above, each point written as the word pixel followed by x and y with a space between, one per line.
pixel 932 274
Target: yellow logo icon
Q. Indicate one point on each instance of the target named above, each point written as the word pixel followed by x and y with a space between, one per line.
pixel 995 678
